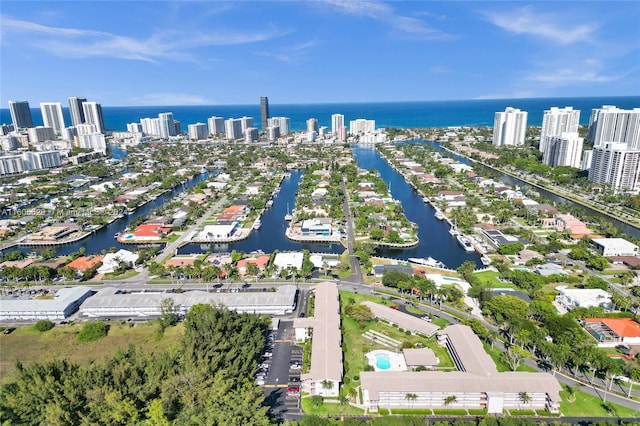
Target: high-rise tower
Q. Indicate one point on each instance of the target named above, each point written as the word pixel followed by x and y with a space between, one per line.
pixel 557 121
pixel 76 111
pixel 52 116
pixel 93 115
pixel 509 127
pixel 264 112
pixel 20 114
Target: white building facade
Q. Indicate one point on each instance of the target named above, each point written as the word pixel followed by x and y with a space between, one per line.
pixel 510 127
pixel 52 116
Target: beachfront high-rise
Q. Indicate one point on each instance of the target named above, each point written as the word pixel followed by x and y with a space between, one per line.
pixel 167 125
pixel 52 116
pixel 93 115
pixel 283 123
pixel 216 125
pixel 76 111
pixel 264 112
pixel 556 121
pixel 233 128
pixel 510 127
pixel 337 121
pixel 612 124
pixel 20 114
pixel 312 125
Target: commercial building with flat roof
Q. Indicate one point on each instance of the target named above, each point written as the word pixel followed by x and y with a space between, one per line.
pixel 615 247
pixel 111 302
pixel 65 302
pixel 326 346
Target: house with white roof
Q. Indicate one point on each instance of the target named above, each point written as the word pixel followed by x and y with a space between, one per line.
pixel 570 298
pixel 111 261
pixel 288 260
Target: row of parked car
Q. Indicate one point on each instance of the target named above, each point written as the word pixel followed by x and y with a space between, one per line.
pixel 267 354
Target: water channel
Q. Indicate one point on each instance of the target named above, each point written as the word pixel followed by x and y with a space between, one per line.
pixel 435 240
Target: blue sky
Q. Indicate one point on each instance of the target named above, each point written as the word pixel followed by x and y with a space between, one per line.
pixel 182 53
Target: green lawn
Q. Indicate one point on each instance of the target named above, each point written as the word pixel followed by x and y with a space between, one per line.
pixel 355 346
pixel 490 279
pixel 501 366
pixel 28 345
pixel 329 408
pixel 587 405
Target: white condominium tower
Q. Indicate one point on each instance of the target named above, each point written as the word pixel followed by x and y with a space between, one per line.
pixel 283 123
pixel 20 114
pixel 564 150
pixel 556 121
pixel 52 116
pixel 197 131
pixel 612 124
pixel 362 125
pixel 616 165
pixel 93 115
pixel 337 122
pixel 509 127
pixel 76 111
pixel 216 125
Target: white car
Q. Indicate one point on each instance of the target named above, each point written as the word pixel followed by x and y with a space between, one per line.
pixel 426 318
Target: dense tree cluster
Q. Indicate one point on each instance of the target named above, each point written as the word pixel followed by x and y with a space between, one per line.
pixel 207 379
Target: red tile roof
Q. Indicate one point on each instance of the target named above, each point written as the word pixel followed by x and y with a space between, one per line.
pixel 83 263
pixel 623 327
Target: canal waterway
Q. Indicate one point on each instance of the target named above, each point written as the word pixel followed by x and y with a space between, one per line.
pixel 271 235
pixel 435 240
pixel 553 198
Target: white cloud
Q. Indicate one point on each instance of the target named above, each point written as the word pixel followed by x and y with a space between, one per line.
pixel 290 54
pixel 383 12
pixel 167 98
pixel 79 43
pixel 529 22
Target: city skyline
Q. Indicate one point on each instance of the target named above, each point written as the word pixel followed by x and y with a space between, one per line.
pixel 139 53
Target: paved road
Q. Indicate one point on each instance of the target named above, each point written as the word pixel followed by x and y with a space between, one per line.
pixel 356 273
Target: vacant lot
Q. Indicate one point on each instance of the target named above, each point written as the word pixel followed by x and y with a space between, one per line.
pixel 28 345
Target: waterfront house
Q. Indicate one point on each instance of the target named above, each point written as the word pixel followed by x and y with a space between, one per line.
pixel 316 227
pixel 449 195
pixel 213 232
pixel 150 232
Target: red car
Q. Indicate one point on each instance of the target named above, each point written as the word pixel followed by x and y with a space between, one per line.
pixel 394 307
pixel 293 390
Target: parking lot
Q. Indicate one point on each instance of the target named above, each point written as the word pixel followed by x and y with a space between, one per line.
pixel 280 369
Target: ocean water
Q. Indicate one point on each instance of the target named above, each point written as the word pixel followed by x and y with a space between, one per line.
pixel 386 114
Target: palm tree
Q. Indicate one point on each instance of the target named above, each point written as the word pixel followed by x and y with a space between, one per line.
pixel 411 397
pixel 450 400
pixel 524 397
pixel 327 384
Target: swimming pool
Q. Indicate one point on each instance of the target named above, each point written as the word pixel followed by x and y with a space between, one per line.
pixel 383 362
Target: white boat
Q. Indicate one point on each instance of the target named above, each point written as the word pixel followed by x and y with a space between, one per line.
pixel 465 243
pixel 454 231
pixel 257 225
pixel 425 200
pixel 439 215
pixel 288 217
pixel 429 261
pixel 269 203
pixel 485 260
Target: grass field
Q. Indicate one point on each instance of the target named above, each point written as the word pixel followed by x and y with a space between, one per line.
pixel 329 408
pixel 590 406
pixel 28 345
pixel 490 279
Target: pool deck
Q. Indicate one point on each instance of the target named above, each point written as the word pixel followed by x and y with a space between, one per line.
pixel 396 360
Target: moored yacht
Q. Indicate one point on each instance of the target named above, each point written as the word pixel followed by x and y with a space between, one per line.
pixel 439 215
pixel 429 261
pixel 465 242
